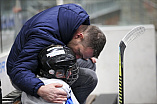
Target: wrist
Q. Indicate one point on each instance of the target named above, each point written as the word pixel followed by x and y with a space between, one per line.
pixel 40 90
pixel 35 91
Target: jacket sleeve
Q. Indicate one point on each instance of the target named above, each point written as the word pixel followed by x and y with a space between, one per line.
pixel 22 73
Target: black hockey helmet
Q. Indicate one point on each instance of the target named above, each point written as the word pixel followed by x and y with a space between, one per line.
pixel 56 61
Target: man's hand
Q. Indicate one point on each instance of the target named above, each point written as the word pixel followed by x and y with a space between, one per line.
pixel 51 94
pixel 93 59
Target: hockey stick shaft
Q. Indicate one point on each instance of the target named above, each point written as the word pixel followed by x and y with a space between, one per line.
pixel 122 47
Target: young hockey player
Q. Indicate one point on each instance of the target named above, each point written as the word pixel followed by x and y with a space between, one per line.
pixel 57 65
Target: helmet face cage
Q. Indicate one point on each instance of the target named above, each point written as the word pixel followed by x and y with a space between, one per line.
pixel 58 62
pixel 74 76
pixel 70 73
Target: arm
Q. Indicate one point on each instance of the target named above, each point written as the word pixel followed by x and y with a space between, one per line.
pixel 22 66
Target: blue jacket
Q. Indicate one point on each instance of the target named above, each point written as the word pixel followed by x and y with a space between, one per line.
pixel 55 25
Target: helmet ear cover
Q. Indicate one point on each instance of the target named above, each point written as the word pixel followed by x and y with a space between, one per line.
pixel 57 61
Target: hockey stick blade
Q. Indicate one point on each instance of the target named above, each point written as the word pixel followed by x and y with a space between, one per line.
pixel 133 34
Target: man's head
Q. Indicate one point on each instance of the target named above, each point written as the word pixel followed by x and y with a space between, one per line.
pixel 88 41
pixel 58 61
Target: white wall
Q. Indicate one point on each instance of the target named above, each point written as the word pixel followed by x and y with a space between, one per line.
pixel 5 81
pixel 139 65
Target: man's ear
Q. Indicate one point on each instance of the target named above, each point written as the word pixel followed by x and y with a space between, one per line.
pixel 79 35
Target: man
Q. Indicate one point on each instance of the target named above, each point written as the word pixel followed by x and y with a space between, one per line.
pixel 57 65
pixel 65 25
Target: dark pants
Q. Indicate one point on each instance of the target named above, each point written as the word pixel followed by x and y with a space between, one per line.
pixel 87 80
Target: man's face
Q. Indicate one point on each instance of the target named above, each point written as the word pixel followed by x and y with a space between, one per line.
pixel 83 52
pixel 80 50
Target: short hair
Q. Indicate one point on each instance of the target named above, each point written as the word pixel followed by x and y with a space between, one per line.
pixel 94 38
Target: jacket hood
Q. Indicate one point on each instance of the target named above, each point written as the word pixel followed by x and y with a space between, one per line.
pixel 70 17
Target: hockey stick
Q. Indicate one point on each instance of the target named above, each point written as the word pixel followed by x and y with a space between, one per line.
pixel 130 36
